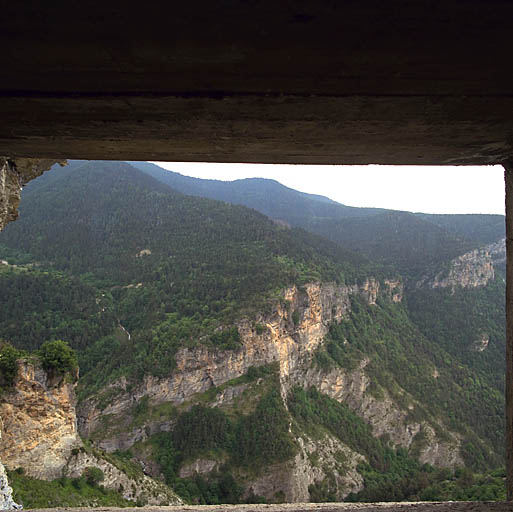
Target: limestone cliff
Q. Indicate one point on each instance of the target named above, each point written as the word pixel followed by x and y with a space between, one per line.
pixel 470 270
pixel 497 251
pixel 324 461
pixel 39 422
pixel 288 336
pixel 40 435
pixel 384 415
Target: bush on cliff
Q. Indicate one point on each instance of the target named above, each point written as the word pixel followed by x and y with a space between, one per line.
pixel 58 357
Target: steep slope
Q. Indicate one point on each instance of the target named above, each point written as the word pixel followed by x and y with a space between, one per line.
pixel 402 239
pixel 233 357
pixel 40 436
pixel 161 257
pixel 461 308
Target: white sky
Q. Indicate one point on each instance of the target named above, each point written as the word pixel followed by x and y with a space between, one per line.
pixel 462 189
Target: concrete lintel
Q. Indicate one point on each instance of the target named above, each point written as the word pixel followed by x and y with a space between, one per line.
pixel 259 128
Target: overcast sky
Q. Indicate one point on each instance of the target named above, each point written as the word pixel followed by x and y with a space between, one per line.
pixel 417 189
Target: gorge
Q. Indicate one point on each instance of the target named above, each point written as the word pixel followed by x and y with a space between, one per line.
pixel 234 358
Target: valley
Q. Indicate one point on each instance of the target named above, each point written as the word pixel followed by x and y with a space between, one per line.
pixel 308 351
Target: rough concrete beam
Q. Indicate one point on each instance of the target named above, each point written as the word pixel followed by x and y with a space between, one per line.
pixel 261 128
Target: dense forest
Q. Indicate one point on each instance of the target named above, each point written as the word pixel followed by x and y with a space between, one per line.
pixel 114 266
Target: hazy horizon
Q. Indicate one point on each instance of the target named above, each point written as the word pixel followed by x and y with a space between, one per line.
pixel 427 189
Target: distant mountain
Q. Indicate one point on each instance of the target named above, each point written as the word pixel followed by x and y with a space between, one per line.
pixel 267 196
pixel 412 242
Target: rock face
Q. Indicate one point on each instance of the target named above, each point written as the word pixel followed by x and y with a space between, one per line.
pixel 40 435
pixel 498 253
pixel 481 343
pixel 6 501
pixel 142 489
pixel 384 415
pixel 471 270
pixel 39 421
pixel 14 174
pixel 394 289
pixel 288 336
pixel 325 461
pixel 265 339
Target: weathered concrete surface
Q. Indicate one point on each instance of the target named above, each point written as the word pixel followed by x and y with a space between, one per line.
pixel 261 128
pixel 368 47
pixel 309 81
pixel 317 507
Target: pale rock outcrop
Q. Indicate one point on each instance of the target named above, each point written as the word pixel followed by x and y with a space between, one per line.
pixel 497 251
pixel 437 453
pixel 481 343
pixel 142 488
pixel 394 289
pixel 470 270
pixel 315 460
pixel 39 420
pixel 370 289
pixel 383 415
pixel 199 466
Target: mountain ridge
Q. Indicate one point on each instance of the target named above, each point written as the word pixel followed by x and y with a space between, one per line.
pixel 347 225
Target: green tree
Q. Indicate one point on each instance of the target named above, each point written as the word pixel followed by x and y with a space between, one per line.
pixel 93 475
pixel 57 356
pixel 8 357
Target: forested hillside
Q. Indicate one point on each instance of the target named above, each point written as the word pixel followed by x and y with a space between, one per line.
pixel 163 262
pixel 227 353
pixel 412 242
